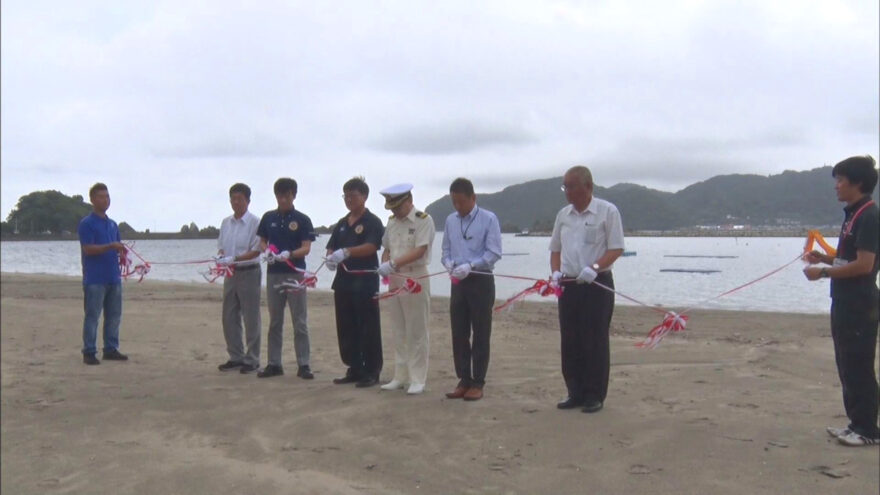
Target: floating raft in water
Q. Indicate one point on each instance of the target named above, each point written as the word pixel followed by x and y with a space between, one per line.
pixel 688 270
pixel 697 256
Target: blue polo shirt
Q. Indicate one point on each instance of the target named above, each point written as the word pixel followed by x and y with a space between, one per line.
pixel 99 268
pixel 286 231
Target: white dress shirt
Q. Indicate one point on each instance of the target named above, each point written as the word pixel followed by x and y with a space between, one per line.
pixel 239 236
pixel 583 237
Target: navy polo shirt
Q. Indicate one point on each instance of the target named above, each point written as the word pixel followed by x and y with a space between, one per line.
pixel 367 229
pixel 863 234
pixel 286 231
pixel 99 268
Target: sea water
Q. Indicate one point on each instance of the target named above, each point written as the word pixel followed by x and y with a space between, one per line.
pixel 739 261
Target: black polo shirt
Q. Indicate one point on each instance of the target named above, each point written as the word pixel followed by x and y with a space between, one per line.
pixel 367 229
pixel 864 234
pixel 286 231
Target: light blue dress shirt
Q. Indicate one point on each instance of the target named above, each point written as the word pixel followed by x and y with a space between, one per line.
pixel 474 238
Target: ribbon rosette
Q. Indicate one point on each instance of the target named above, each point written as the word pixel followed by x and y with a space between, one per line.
pixel 672 322
pixel 409 287
pixel 543 287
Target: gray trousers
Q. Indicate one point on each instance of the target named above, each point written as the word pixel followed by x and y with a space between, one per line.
pixel 241 301
pixel 276 299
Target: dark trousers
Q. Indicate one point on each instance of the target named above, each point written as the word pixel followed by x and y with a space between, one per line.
pixel 584 318
pixel 470 311
pixel 359 332
pixel 854 330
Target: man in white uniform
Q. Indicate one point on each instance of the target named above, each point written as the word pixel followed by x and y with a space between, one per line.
pixel 407 242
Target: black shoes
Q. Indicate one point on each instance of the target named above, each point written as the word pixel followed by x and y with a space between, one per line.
pixel 570 403
pixel 230 365
pixel 592 406
pixel 305 373
pixel 114 355
pixel 345 379
pixel 248 368
pixel 90 359
pixel 365 382
pixel 271 370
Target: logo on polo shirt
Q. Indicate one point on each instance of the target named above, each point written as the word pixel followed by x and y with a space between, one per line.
pixel 359 229
pixel 293 226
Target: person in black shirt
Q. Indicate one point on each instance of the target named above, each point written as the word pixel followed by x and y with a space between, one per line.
pixel 854 298
pixel 291 233
pixel 352 247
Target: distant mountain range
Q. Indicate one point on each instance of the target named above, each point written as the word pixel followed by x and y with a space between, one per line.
pixel 789 200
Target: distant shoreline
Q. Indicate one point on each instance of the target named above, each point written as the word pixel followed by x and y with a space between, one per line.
pixel 636 233
pixel 706 233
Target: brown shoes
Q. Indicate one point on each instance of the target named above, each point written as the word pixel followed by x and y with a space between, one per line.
pixel 473 393
pixel 458 393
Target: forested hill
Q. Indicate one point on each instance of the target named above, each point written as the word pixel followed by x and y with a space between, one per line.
pixel 794 199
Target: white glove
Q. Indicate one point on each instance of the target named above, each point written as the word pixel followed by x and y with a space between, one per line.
pixel 461 271
pixel 385 269
pixel 225 260
pixel 587 275
pixel 556 277
pixel 337 257
pixel 269 256
pixel 330 265
pixel 283 255
pixel 448 264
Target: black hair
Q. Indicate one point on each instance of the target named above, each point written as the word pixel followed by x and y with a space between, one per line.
pixel 285 185
pixel 858 170
pixel 462 186
pixel 99 186
pixel 238 187
pixel 356 184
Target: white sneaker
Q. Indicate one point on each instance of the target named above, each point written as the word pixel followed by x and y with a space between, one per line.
pixel 853 439
pixel 838 432
pixel 415 388
pixel 392 385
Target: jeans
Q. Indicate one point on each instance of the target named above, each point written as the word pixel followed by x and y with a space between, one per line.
pixel 98 297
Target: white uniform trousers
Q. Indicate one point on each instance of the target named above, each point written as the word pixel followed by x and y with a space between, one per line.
pixel 409 323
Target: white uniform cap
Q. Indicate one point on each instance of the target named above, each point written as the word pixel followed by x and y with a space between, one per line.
pixel 396 190
pixel 396 195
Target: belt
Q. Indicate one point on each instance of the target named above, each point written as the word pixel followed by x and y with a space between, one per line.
pixel 242 268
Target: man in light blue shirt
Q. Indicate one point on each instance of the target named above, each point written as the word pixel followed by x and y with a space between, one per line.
pixel 471 246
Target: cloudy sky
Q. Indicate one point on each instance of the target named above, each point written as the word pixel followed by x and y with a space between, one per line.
pixel 170 102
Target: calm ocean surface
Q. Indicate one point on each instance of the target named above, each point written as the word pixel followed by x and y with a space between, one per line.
pixel 638 276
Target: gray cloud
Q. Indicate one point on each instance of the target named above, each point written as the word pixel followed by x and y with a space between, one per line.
pixel 238 146
pixel 452 138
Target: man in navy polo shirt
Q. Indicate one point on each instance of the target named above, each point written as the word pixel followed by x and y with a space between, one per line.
pixel 854 298
pixel 291 233
pixel 353 244
pixel 102 283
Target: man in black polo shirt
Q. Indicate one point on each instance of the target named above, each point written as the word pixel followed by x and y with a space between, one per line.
pixel 291 233
pixel 353 245
pixel 854 298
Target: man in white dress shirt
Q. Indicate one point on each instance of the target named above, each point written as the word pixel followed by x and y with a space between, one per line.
pixel 587 239
pixel 239 246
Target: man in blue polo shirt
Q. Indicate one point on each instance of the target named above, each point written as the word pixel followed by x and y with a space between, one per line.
pixel 102 283
pixel 291 233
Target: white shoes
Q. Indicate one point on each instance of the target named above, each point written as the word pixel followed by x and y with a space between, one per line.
pixel 853 439
pixel 415 388
pixel 838 432
pixel 392 385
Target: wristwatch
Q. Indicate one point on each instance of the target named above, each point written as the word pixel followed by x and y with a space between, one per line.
pixel 596 267
pixel 824 273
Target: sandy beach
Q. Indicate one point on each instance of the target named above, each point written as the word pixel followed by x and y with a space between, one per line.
pixel 737 406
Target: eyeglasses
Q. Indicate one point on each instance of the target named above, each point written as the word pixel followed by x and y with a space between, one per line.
pixel 351 195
